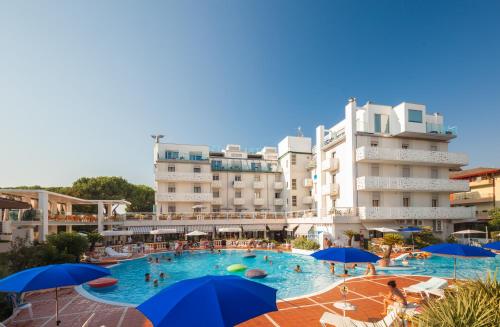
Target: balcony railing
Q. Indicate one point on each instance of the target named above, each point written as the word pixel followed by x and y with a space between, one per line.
pixel 258 201
pixel 184 197
pixel 258 185
pixel 481 182
pixel 330 189
pixel 220 215
pixel 278 185
pixel 416 212
pixel 183 176
pixel 376 183
pixel 307 200
pixel 311 164
pixel 330 164
pixel 25 215
pixel 440 129
pixel 73 218
pixel 435 158
pixel 278 202
pixel 308 182
pixel 333 137
pixel 470 197
pixel 238 184
pixel 238 201
pixel 182 156
pixel 245 167
pixel 216 184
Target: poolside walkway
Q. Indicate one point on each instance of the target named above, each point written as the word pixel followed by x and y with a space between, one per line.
pixel 306 311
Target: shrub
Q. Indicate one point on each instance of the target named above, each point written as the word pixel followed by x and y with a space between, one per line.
pixel 451 239
pixel 71 245
pixel 304 244
pixel 425 238
pixel 473 303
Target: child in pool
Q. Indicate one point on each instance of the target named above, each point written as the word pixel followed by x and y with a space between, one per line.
pixel 155 283
pixel 298 269
pixel 147 277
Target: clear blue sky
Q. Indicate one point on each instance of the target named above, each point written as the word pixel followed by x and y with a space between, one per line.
pixel 84 83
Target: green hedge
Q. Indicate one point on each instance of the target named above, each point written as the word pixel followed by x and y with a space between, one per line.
pixel 304 244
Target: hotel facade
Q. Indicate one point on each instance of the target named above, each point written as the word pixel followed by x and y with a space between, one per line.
pixel 380 166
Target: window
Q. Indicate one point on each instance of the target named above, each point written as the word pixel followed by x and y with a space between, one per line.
pixel 381 123
pixel 435 201
pixel 434 173
pixel 406 200
pixel 294 159
pixel 237 194
pixel 217 164
pixel 255 166
pixel 334 203
pixel 216 194
pixel 215 177
pixel 197 210
pixel 257 194
pixel 333 154
pixel 256 178
pixel 195 156
pixel 438 225
pixel 414 116
pixel 172 155
pixel 294 184
pixel 171 188
pixel 334 177
pixel 405 146
pixel 375 170
pixel 237 178
pixel 215 209
pixel 277 195
pixel 434 147
pixel 196 169
pixel 374 143
pixel 171 209
pixel 171 168
pixel 197 188
pixel 406 171
pixel 375 199
pixel 294 200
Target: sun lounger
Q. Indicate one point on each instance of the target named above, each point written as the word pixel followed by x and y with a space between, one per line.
pixel 337 320
pixel 112 253
pixel 401 257
pixel 430 285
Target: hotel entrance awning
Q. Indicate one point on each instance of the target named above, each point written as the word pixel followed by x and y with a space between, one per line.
pixel 254 228
pixel 303 229
pixel 275 227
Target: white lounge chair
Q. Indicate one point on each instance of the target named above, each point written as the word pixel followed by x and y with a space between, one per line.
pixel 112 253
pixel 401 257
pixel 337 320
pixel 424 288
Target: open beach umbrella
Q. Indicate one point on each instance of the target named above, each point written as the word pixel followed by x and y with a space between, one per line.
pixel 345 255
pixel 209 301
pixel 196 233
pixel 455 251
pixel 493 246
pixel 468 232
pixel 411 230
pixel 52 276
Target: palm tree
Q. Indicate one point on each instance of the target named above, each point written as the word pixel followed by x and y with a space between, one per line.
pixel 350 234
pixel 94 237
pixel 390 240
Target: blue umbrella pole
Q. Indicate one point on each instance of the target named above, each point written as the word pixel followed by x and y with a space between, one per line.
pixel 455 268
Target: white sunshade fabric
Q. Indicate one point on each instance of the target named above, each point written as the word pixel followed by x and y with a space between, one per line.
pixel 303 229
pixel 196 233
pixel 291 227
pixel 229 229
pixel 384 230
pixel 275 227
pixel 164 231
pixel 469 231
pixel 116 233
pixel 201 228
pixel 254 228
pixel 141 229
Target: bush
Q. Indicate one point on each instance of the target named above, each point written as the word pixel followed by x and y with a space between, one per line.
pixel 70 245
pixel 473 303
pixel 451 239
pixel 425 238
pixel 304 244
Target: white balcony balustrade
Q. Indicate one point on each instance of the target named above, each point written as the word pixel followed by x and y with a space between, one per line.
pixel 184 197
pixel 308 182
pixel 258 185
pixel 216 184
pixel 183 176
pixel 416 212
pixel 330 164
pixel 279 202
pixel 278 185
pixel 307 200
pixel 238 184
pixel 258 201
pixel 239 201
pixel 376 183
pixel 217 201
pixel 409 156
pixel 330 189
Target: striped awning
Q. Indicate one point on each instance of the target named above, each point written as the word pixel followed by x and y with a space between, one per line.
pixel 200 228
pixel 275 227
pixel 303 229
pixel 141 229
pixel 291 227
pixel 229 229
pixel 254 228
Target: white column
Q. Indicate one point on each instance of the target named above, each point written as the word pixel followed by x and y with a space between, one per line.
pixel 349 189
pixel 69 208
pixel 100 216
pixel 320 180
pixel 109 209
pixel 43 206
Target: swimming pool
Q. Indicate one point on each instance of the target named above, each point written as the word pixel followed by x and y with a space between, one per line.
pixel 132 288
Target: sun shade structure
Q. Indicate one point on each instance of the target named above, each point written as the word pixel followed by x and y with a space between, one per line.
pixel 411 230
pixel 163 231
pixel 13 204
pixel 213 301
pixel 384 230
pixel 458 251
pixel 345 255
pixel 117 233
pixel 196 233
pixel 493 246
pixel 52 276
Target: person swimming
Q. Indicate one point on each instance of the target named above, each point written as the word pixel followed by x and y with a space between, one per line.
pixel 155 283
pixel 162 275
pixel 298 269
pixel 266 258
pixel 332 267
pixel 147 277
pixel 150 259
pixel 219 251
pixel 169 259
pixel 157 260
pixel 370 270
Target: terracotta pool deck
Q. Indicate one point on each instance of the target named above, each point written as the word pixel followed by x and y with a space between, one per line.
pixel 75 309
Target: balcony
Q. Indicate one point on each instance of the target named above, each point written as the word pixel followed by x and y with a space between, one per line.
pixel 279 202
pixel 238 184
pixel 330 189
pixel 307 200
pixel 216 184
pixel 333 138
pixel 172 156
pixel 470 198
pixel 375 183
pixel 243 166
pixel 184 177
pixel 417 157
pixel 308 182
pixel 278 185
pixel 217 201
pixel 258 185
pixel 416 212
pixel 184 197
pixel 311 164
pixel 258 201
pixel 481 182
pixel 239 201
pixel 331 164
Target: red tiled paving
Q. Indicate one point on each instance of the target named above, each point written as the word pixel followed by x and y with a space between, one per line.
pixel 305 311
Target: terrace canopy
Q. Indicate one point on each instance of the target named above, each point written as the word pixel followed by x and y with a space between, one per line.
pixel 229 229
pixel 163 231
pixel 303 229
pixel 13 204
pixel 117 233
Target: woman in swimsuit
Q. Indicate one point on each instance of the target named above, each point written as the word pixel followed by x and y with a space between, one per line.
pixel 394 296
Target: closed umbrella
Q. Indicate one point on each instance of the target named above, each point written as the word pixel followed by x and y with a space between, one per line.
pixel 455 251
pixel 215 301
pixel 52 276
pixel 345 255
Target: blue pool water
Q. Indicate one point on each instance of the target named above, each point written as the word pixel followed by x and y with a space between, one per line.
pixel 132 288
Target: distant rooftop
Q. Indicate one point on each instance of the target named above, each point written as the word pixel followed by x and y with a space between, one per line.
pixel 474 172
